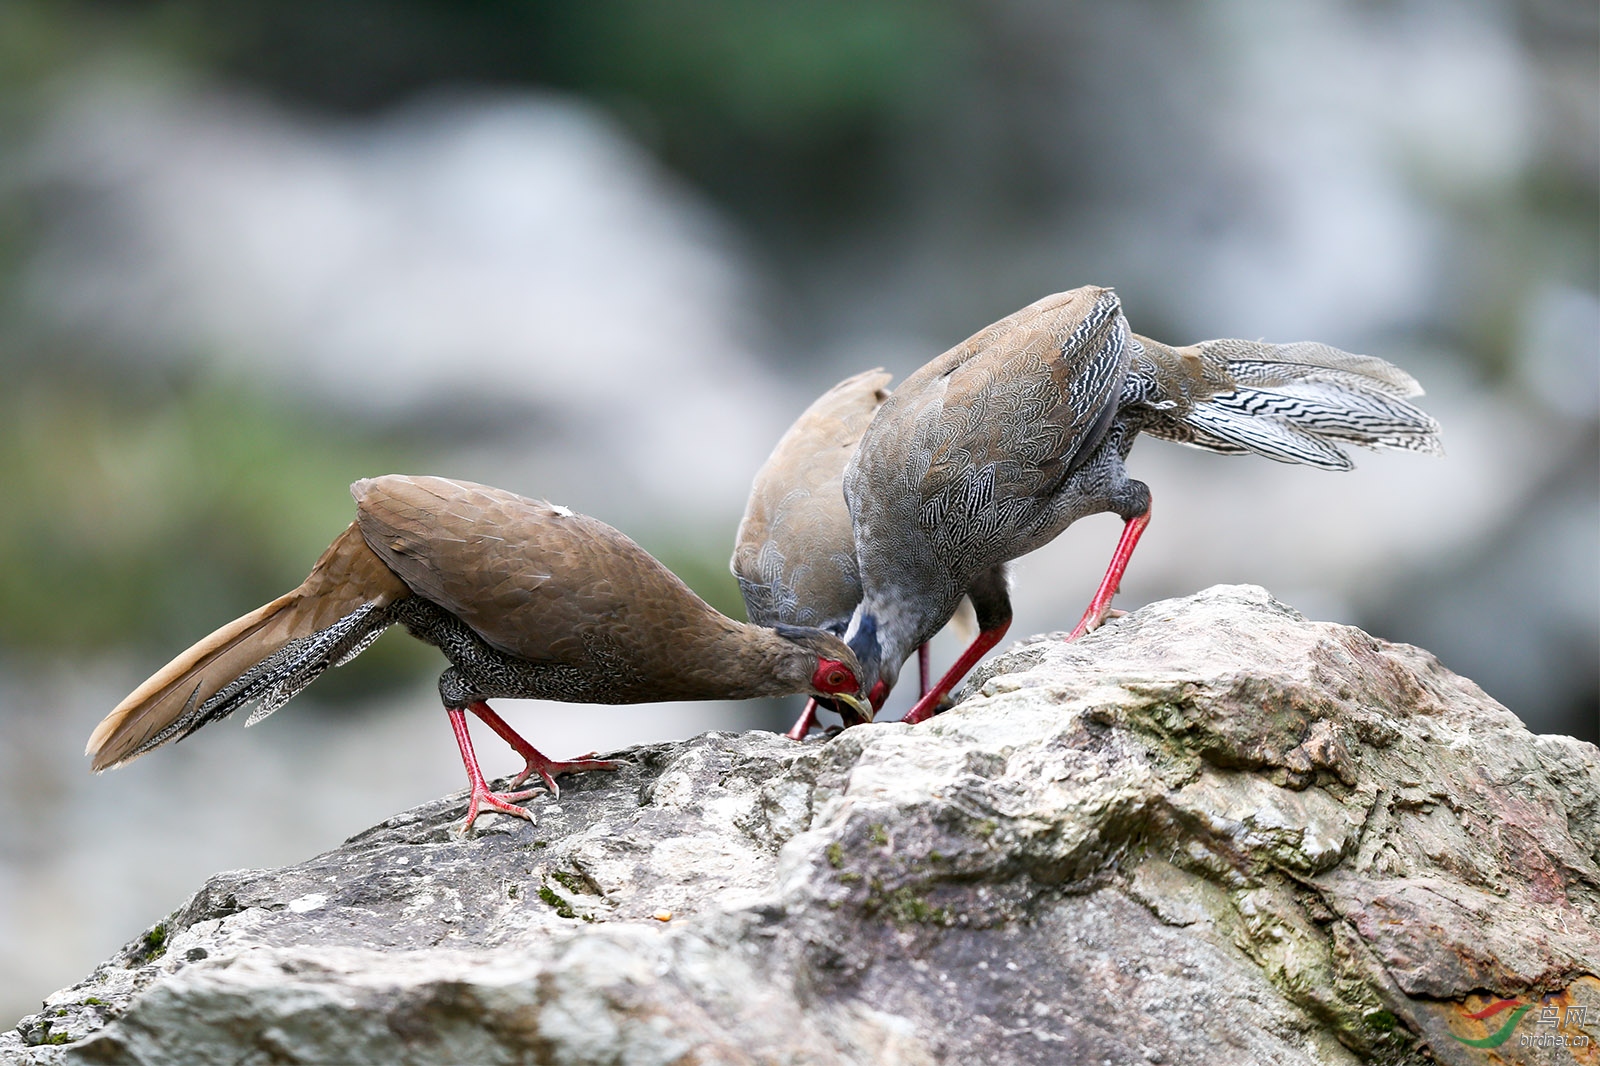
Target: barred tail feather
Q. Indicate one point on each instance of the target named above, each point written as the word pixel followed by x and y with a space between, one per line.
pixel 1296 403
pixel 266 656
pixel 1226 420
pixel 279 677
pixel 1260 364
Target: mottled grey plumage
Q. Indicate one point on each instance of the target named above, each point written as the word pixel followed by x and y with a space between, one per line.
pixel 1288 402
pixel 995 447
pixel 795 551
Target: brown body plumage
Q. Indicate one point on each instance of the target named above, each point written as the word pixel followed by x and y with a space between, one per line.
pixel 795 552
pixel 526 599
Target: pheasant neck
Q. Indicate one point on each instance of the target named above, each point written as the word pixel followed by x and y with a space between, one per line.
pixel 883 638
pixel 744 661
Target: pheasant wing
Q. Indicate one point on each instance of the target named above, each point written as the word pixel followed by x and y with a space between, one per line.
pixel 794 554
pixel 990 431
pixel 529 577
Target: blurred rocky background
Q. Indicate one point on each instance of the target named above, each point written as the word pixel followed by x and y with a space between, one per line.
pixel 603 252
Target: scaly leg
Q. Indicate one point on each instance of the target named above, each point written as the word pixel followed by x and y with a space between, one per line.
pixel 928 705
pixel 538 763
pixel 480 793
pixel 808 718
pixel 923 661
pixel 1100 606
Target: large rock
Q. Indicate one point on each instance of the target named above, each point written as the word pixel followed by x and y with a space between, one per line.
pixel 1211 832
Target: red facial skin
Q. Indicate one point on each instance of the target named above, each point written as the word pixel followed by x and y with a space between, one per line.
pixel 834 676
pixel 879 693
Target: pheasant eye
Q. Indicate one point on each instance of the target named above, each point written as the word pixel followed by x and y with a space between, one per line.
pixel 836 677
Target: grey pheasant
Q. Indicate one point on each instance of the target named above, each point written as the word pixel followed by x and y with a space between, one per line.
pixel 995 447
pixel 795 552
pixel 524 598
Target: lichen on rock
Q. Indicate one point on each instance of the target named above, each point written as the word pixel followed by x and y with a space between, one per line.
pixel 1212 831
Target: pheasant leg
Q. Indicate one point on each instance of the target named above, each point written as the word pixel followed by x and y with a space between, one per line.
pixel 1100 606
pixel 923 661
pixel 928 705
pixel 537 762
pixel 480 793
pixel 803 725
pixel 808 717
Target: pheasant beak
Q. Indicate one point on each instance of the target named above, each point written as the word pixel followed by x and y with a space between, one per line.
pixel 855 703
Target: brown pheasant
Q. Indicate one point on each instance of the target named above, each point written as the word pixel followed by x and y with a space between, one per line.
pixel 795 552
pixel 526 599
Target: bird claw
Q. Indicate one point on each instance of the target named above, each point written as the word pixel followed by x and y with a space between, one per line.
pixel 482 797
pixel 1089 623
pixel 548 768
pixel 536 761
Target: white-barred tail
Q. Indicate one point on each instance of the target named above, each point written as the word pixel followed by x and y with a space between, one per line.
pixel 1293 403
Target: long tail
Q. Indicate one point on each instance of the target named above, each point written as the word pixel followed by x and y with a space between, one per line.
pixel 1294 403
pixel 267 656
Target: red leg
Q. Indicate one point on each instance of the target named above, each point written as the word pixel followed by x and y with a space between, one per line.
pixel 480 793
pixel 928 705
pixel 1100 606
pixel 538 763
pixel 923 659
pixel 808 718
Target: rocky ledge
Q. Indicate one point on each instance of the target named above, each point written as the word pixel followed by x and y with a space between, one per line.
pixel 1213 831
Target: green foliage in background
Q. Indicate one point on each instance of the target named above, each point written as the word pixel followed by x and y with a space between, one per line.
pixel 782 110
pixel 148 517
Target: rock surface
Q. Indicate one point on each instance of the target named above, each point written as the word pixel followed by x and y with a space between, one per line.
pixel 1212 832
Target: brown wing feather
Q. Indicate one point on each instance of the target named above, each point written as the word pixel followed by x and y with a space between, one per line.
pixel 347 576
pixel 534 580
pixel 795 551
